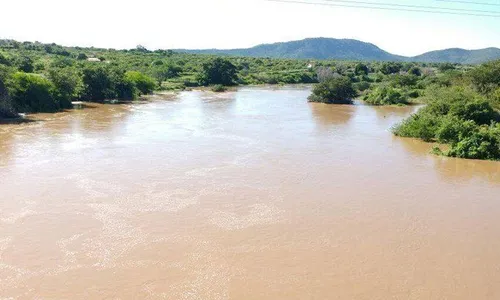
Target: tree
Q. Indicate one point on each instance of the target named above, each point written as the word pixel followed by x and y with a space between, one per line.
pixel 390 68
pixel 25 64
pixel 323 73
pixel 4 60
pixel 446 67
pixel 81 56
pixel 361 69
pixel 386 96
pixel 7 109
pixel 68 85
pixel 98 83
pixel 32 93
pixel 334 91
pixel 415 71
pixel 143 83
pixel 486 78
pixel 218 71
pixel 163 72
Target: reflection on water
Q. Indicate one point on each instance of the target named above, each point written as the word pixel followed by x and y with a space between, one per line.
pixel 251 194
pixel 465 170
pixel 330 116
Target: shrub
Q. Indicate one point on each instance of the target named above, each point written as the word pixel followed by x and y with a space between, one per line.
pixel 4 60
pixel 68 85
pixel 334 90
pixel 486 78
pixel 32 93
pixel 25 64
pixel 415 71
pixel 386 96
pixel 483 143
pixel 7 109
pixel 446 67
pixel 390 68
pixel 458 117
pixel 98 83
pixel 404 80
pixel 361 69
pixel 423 126
pixel 144 83
pixel 218 71
pixel 362 86
pixel 81 56
pixel 218 88
pixel 163 72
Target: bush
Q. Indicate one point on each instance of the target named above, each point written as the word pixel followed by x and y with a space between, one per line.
pixel 163 72
pixel 423 126
pixel 483 143
pixel 102 83
pixel 68 85
pixel 25 64
pixel 390 68
pixel 98 83
pixel 446 67
pixel 32 93
pixel 362 86
pixel 338 90
pixel 404 80
pixel 218 71
pixel 458 117
pixel 4 60
pixel 218 88
pixel 486 78
pixel 143 83
pixel 415 71
pixel 7 109
pixel 361 69
pixel 386 96
pixel 81 56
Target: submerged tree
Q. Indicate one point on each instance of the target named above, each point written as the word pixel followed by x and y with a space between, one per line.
pixel 336 90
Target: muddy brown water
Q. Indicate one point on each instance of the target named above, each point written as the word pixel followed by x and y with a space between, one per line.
pixel 253 194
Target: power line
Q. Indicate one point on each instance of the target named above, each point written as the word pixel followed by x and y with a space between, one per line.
pixel 413 6
pixel 470 2
pixel 386 8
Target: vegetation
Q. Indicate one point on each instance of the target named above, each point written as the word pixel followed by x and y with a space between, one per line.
pixel 460 117
pixel 386 96
pixel 336 90
pixel 461 101
pixel 218 88
pixel 217 71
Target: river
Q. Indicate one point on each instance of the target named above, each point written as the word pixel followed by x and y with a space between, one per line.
pixel 251 194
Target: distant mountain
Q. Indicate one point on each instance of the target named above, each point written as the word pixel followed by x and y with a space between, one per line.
pixel 348 49
pixel 313 48
pixel 457 55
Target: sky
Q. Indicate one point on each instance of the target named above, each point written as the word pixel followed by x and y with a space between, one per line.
pixel 198 24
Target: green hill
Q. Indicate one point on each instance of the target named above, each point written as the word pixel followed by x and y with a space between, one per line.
pixel 348 49
pixel 457 55
pixel 313 48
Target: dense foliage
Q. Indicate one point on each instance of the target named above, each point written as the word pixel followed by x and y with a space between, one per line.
pixel 460 117
pixel 338 90
pixel 217 71
pixel 386 96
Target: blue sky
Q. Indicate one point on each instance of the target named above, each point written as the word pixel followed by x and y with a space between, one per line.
pixel 242 23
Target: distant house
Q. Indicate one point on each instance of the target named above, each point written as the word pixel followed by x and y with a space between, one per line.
pixel 93 59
